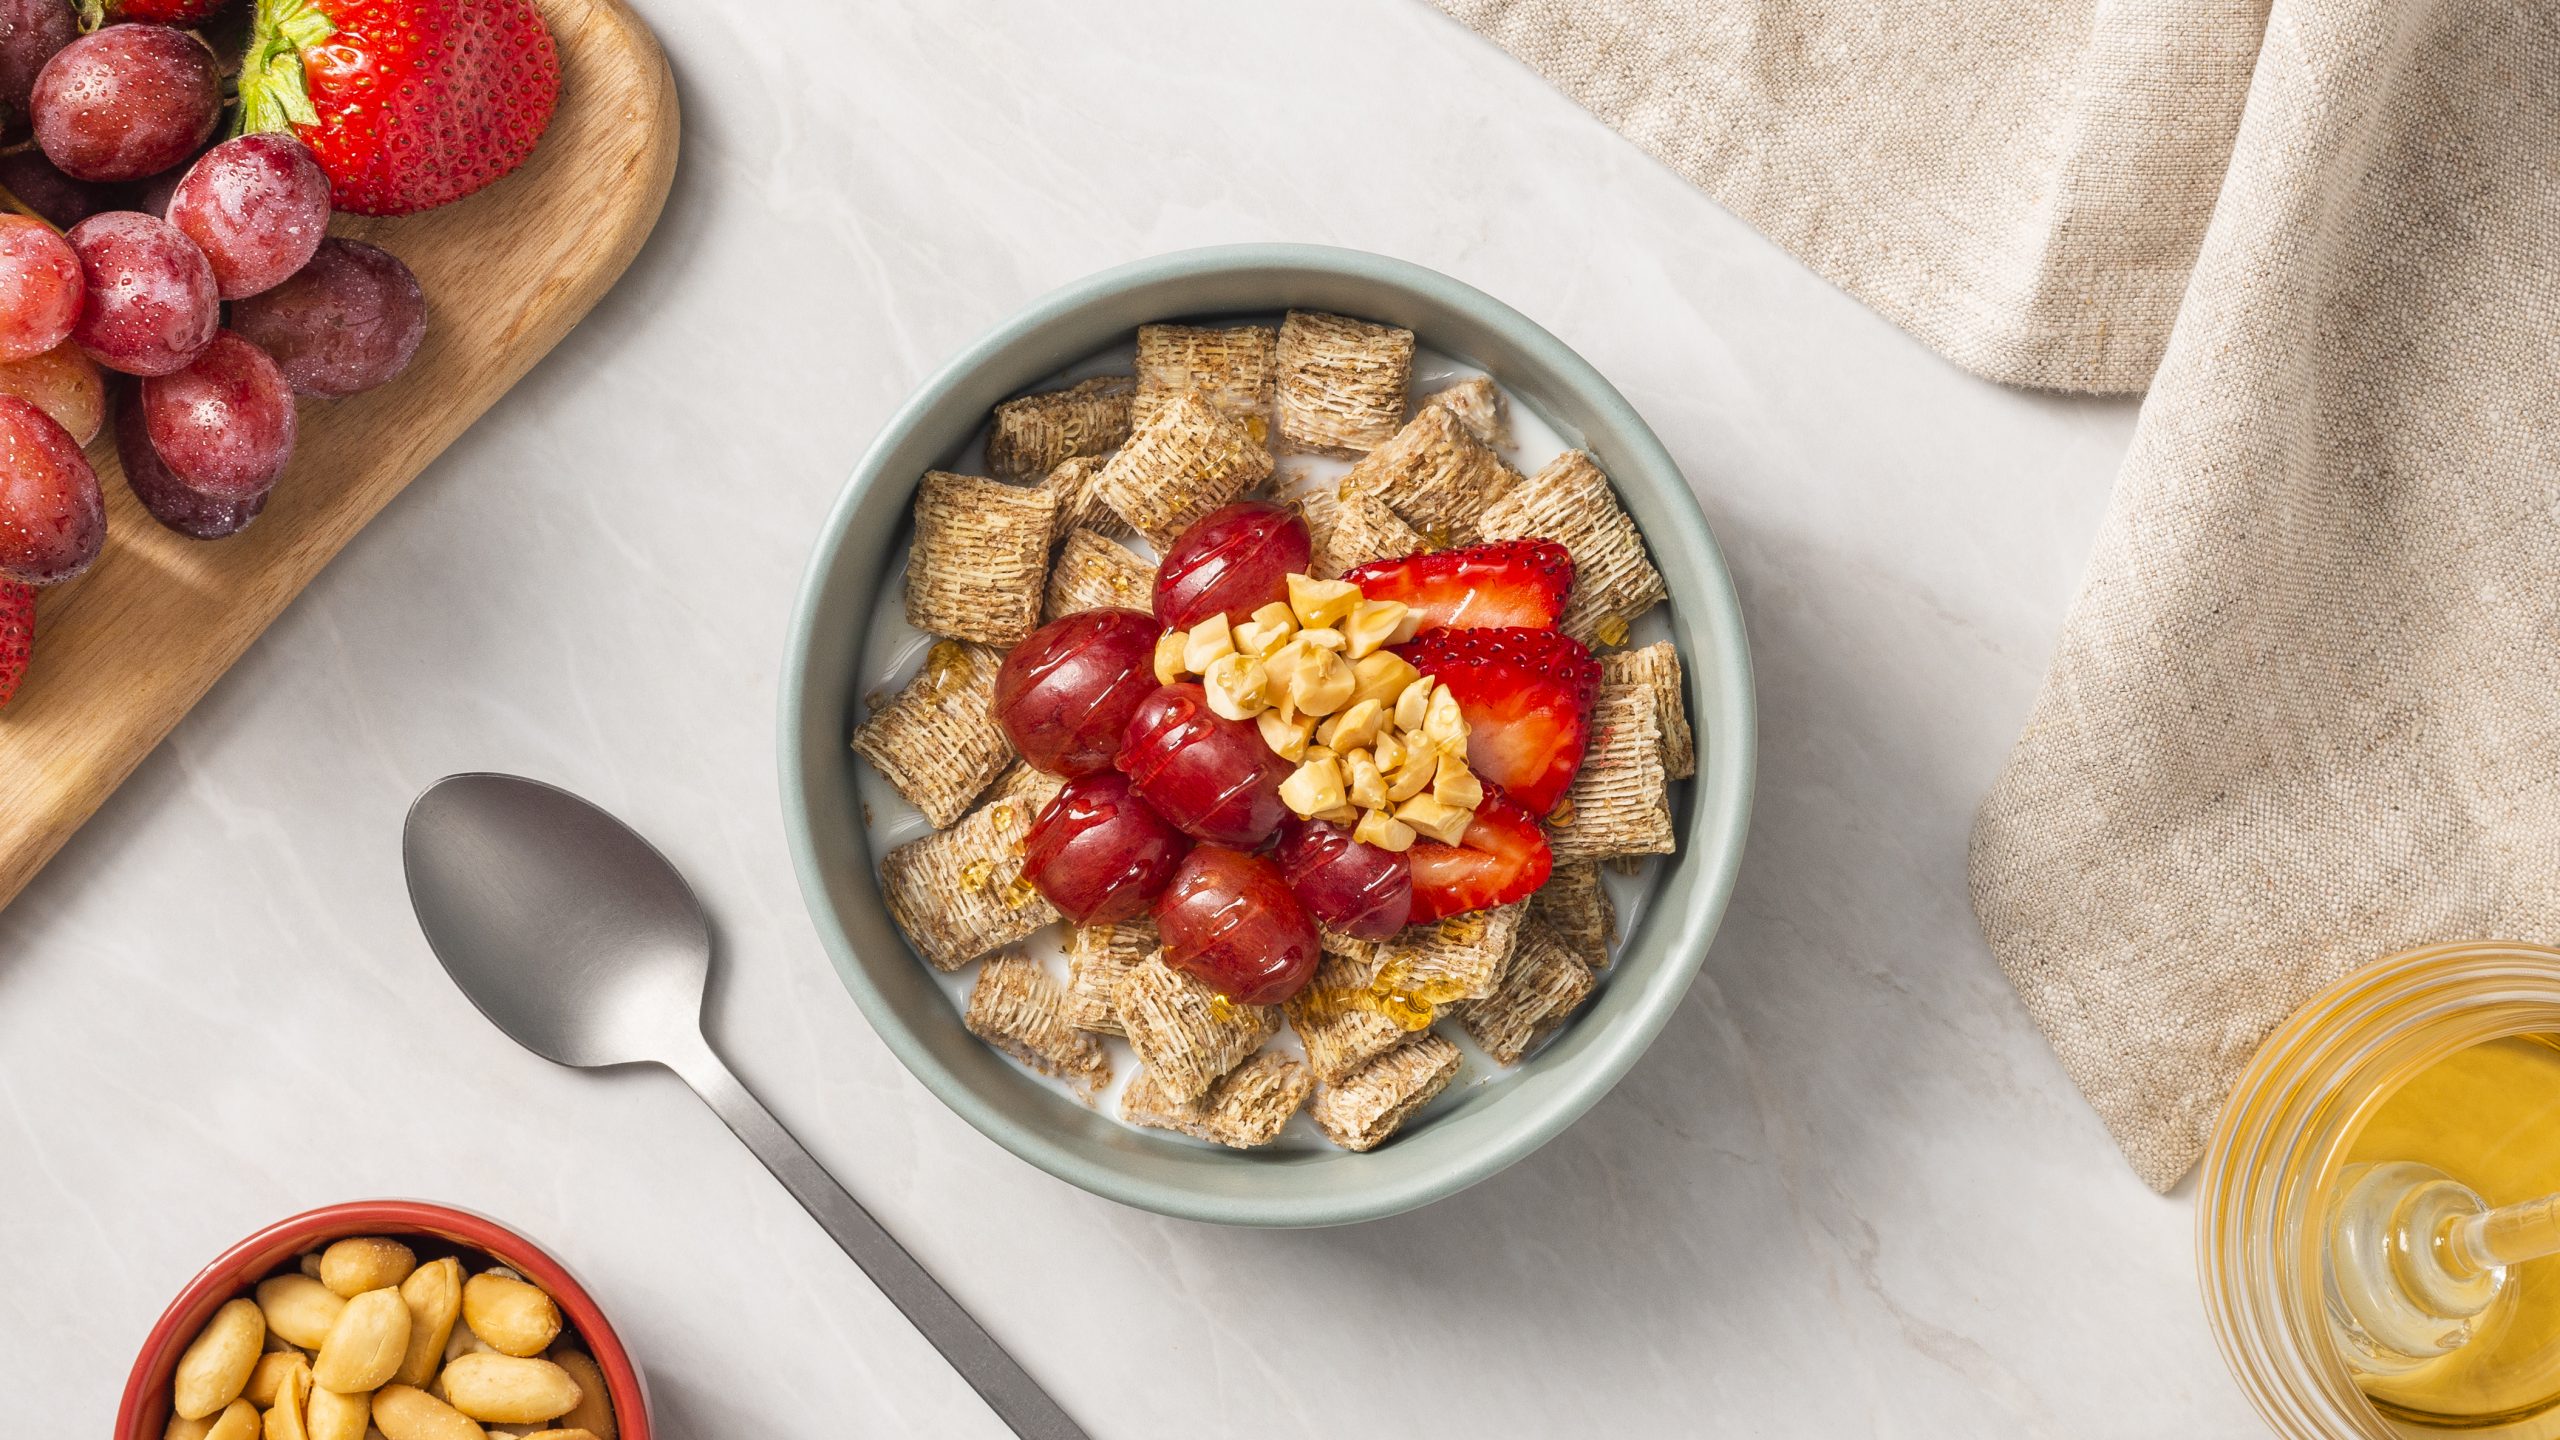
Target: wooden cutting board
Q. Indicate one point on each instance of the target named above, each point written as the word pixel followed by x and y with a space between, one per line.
pixel 123 653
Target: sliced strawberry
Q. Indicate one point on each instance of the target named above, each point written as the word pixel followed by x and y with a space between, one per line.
pixel 17 634
pixel 1526 696
pixel 1510 582
pixel 1502 858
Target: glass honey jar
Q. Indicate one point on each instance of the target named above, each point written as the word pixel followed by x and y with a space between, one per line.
pixel 2378 1222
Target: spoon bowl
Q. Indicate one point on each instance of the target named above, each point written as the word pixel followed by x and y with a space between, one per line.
pixel 568 930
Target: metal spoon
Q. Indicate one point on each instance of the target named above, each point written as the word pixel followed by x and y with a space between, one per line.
pixel 577 938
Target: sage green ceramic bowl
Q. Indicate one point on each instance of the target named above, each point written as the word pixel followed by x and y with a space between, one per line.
pixel 1489 1126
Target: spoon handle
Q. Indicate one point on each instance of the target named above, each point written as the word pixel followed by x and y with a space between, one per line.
pixel 1007 1388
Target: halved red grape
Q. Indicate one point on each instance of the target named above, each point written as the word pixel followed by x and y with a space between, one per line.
pixel 344 323
pixel 53 519
pixel 1065 694
pixel 50 193
pixel 1229 920
pixel 1232 561
pixel 31 32
pixel 1214 778
pixel 1098 852
pixel 63 383
pixel 126 102
pixel 40 287
pixel 1358 889
pixel 189 512
pixel 224 424
pixel 257 206
pixel 151 303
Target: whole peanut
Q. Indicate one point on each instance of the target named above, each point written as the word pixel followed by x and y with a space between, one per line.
pixel 366 1345
pixel 299 1308
pixel 509 1390
pixel 333 1416
pixel 404 1412
pixel 594 1411
pixel 238 1421
pixel 215 1368
pixel 365 1262
pixel 517 1318
pixel 433 1293
pixel 268 1378
pixel 284 1418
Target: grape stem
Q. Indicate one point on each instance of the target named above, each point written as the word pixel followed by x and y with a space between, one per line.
pixel 9 201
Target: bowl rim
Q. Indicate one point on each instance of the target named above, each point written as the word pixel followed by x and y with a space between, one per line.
pixel 1732 726
pixel 145 1407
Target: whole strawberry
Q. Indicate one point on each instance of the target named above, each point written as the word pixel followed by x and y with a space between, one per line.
pixel 17 634
pixel 409 104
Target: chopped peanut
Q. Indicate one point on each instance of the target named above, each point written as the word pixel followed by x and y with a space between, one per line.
pixel 1268 630
pixel 1390 750
pixel 1383 830
pixel 1355 726
pixel 1444 823
pixel 1444 725
pixel 1208 642
pixel 1366 786
pixel 1322 681
pixel 1321 602
pixel 1238 686
pixel 1315 786
pixel 1169 657
pixel 1375 624
pixel 1285 734
pixel 1324 638
pixel 1456 786
pixel 1381 677
pixel 1413 702
pixel 1421 763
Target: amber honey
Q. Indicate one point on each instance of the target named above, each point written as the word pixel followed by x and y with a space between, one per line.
pixel 2488 1115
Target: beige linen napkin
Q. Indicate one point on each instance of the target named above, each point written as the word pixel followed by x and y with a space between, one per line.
pixel 2306 708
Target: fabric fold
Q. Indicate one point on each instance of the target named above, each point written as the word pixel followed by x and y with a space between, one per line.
pixel 2305 711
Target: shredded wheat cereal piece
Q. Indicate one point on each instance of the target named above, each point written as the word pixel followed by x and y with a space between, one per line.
pixel 1342 382
pixel 1577 906
pixel 1099 957
pixel 938 741
pixel 1079 507
pixel 1031 435
pixel 960 893
pixel 1658 665
pixel 1620 804
pixel 1018 1009
pixel 1436 475
pixel 1365 1109
pixel 1183 462
pixel 1361 528
pixel 1570 502
pixel 1547 982
pixel 1477 403
pixel 1340 1023
pixel 1460 958
pixel 1245 1108
pixel 1094 573
pixel 1232 369
pixel 981 553
pixel 1186 1034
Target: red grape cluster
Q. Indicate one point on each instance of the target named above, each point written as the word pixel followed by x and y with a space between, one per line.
pixel 122 240
pixel 1169 807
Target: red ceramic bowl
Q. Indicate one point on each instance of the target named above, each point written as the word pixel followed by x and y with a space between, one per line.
pixel 145 1413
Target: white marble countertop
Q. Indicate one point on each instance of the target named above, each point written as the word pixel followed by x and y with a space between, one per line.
pixel 1847 1192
